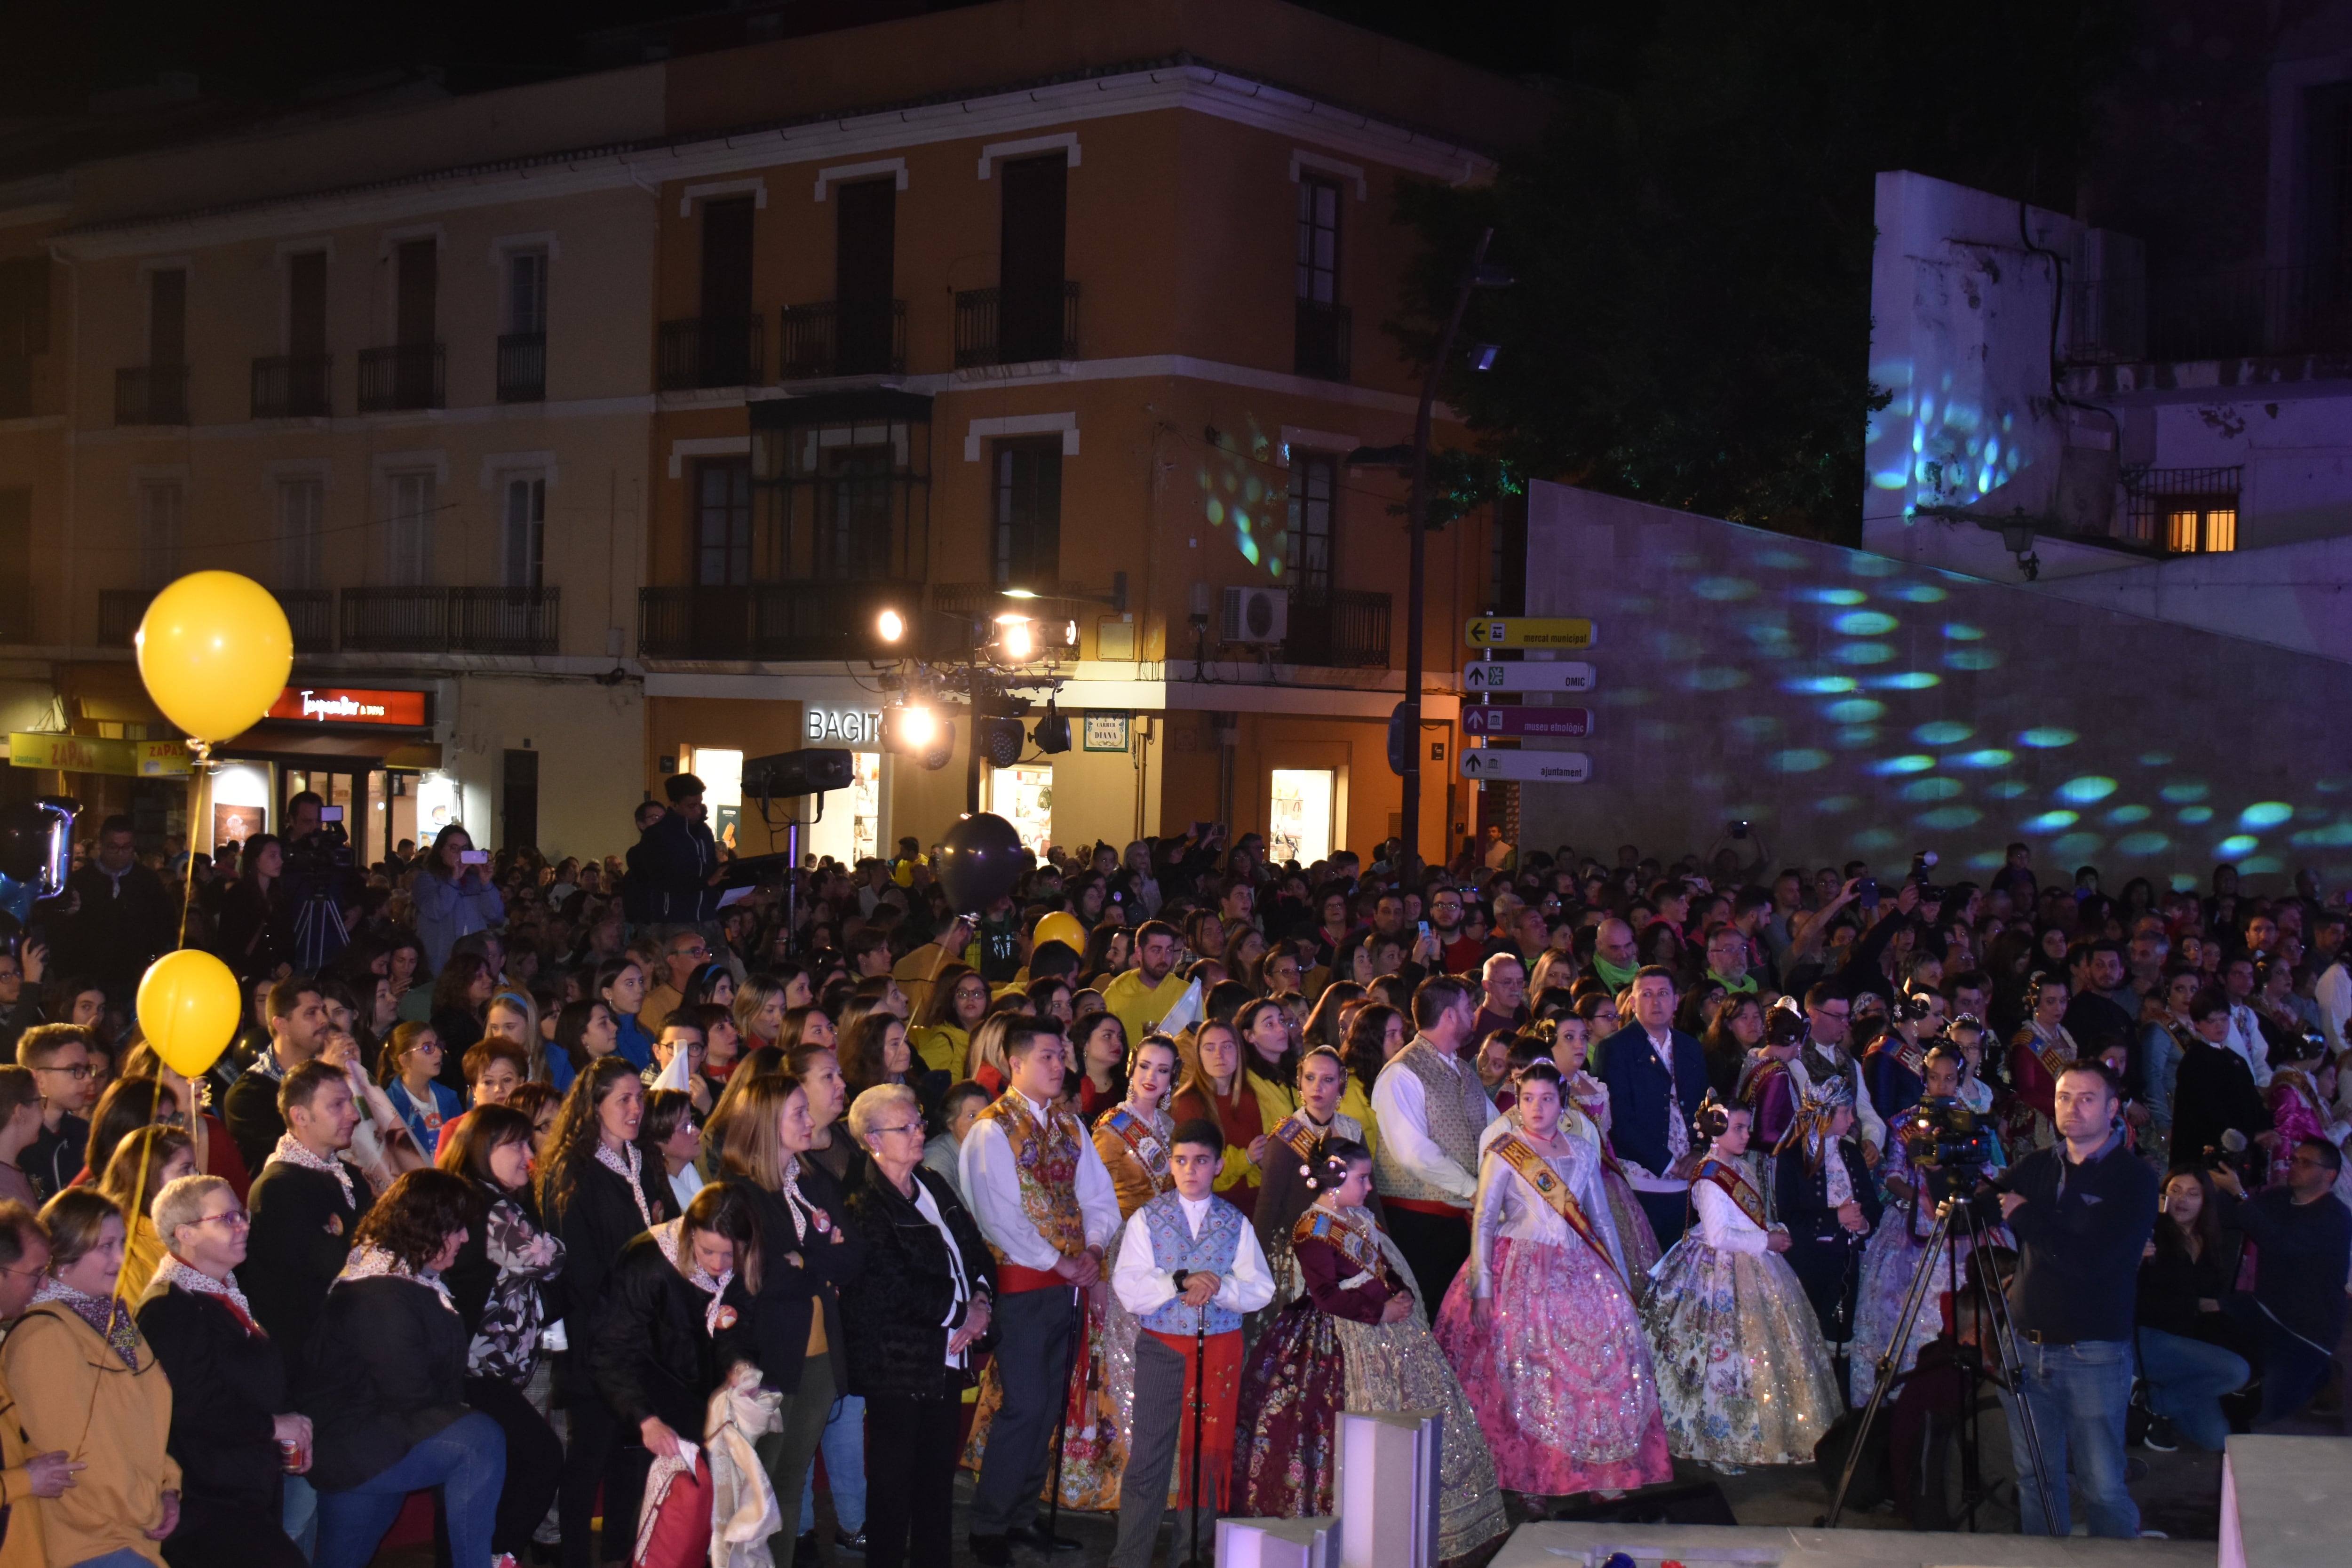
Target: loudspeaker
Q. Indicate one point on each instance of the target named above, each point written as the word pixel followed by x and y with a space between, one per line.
pixel 808 772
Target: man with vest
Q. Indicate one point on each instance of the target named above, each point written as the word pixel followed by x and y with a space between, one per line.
pixel 1048 1209
pixel 1189 1267
pixel 1431 1107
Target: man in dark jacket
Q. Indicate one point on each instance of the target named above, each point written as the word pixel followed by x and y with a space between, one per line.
pixel 122 915
pixel 677 858
pixel 2082 1211
pixel 306 1204
pixel 297 1010
pixel 1656 1077
pixel 2304 1238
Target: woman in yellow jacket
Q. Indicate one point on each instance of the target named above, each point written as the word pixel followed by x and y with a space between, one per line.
pixel 942 1034
pixel 26 1472
pixel 87 1382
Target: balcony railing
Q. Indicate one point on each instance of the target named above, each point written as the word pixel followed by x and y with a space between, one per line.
pixel 15 388
pixel 713 352
pixel 151 395
pixel 843 337
pixel 1342 630
pixel 1323 341
pixel 522 367
pixel 798 620
pixel 1017 325
pixel 449 620
pixel 293 386
pixel 405 375
pixel 311 612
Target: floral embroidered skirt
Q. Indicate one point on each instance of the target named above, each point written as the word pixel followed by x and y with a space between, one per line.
pixel 1307 1368
pixel 1093 1431
pixel 1559 1375
pixel 1635 1237
pixel 1744 1377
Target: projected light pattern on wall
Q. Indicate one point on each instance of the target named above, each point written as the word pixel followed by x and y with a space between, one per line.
pixel 1886 708
pixel 1938 447
pixel 1245 496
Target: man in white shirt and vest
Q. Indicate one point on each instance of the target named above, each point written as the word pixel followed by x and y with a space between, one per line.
pixel 1047 1207
pixel 1431 1107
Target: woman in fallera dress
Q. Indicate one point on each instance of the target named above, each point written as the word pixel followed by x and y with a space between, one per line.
pixel 1353 1340
pixel 1743 1376
pixel 1543 1289
pixel 1322 1078
pixel 1587 1115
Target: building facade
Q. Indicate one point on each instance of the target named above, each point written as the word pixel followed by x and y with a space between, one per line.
pixel 601 421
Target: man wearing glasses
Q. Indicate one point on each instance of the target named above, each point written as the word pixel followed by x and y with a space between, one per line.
pixel 682 954
pixel 58 1054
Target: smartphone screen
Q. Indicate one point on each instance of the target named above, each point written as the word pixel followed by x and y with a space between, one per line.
pixel 330 813
pixel 475 857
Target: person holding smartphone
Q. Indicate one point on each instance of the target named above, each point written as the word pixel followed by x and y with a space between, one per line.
pixel 455 897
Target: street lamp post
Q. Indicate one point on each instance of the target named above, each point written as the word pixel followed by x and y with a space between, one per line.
pixel 1474 274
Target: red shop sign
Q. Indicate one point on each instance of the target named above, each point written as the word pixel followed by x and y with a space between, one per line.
pixel 349 705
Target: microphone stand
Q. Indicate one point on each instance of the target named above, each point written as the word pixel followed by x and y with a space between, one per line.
pixel 1199 1421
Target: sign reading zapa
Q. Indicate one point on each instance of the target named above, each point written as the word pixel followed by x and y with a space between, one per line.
pixel 92 754
pixel 1524 631
pixel 1527 767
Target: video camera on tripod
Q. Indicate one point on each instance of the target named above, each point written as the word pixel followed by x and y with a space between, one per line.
pixel 1942 1134
pixel 321 879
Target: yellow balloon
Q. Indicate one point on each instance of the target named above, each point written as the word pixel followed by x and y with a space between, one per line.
pixel 215 651
pixel 188 1007
pixel 1062 927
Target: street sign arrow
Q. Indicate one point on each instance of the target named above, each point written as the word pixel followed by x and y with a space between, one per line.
pixel 1524 631
pixel 1527 767
pixel 1569 723
pixel 1531 675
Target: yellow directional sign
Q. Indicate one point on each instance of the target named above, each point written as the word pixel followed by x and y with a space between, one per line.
pixel 1524 631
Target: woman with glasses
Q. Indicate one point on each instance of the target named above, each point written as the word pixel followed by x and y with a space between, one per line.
pixel 913 1318
pixel 233 1431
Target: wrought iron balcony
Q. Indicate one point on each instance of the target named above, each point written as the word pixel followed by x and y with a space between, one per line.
pixel 311 612
pixel 522 367
pixel 1341 629
pixel 405 375
pixel 151 395
pixel 450 620
pixel 1323 340
pixel 293 386
pixel 843 337
pixel 1016 324
pixel 713 352
pixel 797 620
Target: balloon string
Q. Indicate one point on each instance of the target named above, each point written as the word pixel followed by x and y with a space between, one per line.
pixel 199 792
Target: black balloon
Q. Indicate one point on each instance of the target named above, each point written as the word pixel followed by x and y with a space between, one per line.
pixel 24 840
pixel 979 860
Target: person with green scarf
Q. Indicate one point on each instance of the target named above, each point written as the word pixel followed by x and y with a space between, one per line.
pixel 1613 956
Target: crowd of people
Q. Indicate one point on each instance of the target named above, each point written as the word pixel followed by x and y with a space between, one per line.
pixel 596 1207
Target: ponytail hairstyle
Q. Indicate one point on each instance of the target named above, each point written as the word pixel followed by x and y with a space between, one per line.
pixel 1713 1120
pixel 1328 1162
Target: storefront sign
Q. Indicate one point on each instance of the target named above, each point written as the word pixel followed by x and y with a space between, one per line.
pixel 1107 733
pixel 1568 723
pixel 1523 631
pixel 89 754
pixel 851 727
pixel 351 705
pixel 1527 767
pixel 1533 675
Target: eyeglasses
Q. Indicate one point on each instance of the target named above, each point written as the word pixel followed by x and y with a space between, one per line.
pixel 236 1219
pixel 902 1127
pixel 79 1071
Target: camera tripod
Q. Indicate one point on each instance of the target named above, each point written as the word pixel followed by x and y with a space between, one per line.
pixel 1942 1247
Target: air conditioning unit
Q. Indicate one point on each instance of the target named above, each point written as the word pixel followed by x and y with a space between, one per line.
pixel 1256 614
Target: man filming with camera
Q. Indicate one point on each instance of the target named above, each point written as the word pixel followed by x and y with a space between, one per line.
pixel 2082 1211
pixel 323 886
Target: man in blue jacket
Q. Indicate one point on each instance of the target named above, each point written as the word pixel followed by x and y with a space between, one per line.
pixel 679 859
pixel 1656 1077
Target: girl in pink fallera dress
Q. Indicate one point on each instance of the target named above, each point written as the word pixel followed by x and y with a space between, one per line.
pixel 1542 1290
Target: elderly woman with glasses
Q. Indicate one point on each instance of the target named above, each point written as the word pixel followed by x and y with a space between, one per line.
pixel 232 1429
pixel 912 1317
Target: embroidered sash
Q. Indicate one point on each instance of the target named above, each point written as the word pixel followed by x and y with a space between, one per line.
pixel 1142 1142
pixel 1319 1224
pixel 1537 1172
pixel 1300 1134
pixel 1735 1187
pixel 1912 1058
pixel 2055 1057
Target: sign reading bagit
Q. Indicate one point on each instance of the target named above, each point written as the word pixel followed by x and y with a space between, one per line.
pixel 1527 767
pixel 1568 723
pixel 1524 631
pixel 352 705
pixel 1531 675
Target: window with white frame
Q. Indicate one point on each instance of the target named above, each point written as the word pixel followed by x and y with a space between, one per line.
pixel 523 551
pixel 410 499
pixel 162 505
pixel 301 522
pixel 526 302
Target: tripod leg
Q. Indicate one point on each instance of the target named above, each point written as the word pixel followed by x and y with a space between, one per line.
pixel 1887 1362
pixel 1199 1421
pixel 2012 1367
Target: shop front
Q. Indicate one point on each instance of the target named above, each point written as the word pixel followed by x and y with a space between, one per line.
pixel 371 753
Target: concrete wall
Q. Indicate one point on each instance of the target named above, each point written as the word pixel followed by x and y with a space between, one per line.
pixel 586 736
pixel 1854 706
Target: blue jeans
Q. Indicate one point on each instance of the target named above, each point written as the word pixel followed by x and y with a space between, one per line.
pixel 2078 1395
pixel 466 1459
pixel 2186 1381
pixel 843 1446
pixel 302 1515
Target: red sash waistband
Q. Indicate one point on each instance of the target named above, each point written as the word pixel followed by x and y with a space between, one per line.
pixel 1012 1278
pixel 1424 1205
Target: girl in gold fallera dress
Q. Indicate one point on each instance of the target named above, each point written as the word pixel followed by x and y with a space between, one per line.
pixel 1744 1377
